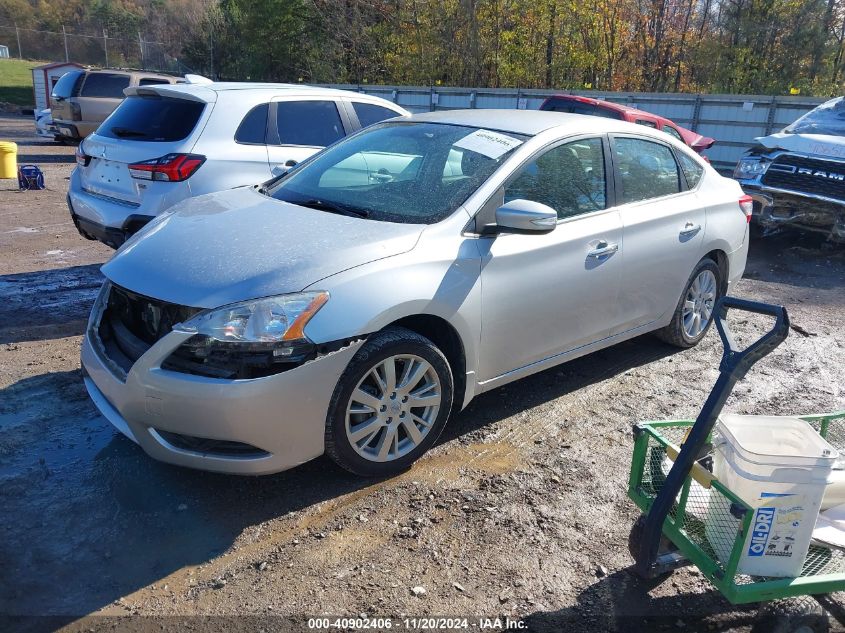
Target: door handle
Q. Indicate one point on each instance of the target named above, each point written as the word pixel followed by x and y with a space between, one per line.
pixel 690 229
pixel 603 249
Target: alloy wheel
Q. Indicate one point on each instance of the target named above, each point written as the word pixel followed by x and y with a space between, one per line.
pixel 393 407
pixel 698 304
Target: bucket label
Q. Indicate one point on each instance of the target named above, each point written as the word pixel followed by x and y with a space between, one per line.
pixel 760 531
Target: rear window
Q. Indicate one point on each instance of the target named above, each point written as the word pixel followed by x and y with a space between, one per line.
pixel 310 123
pixel 579 107
pixel 369 113
pixel 152 81
pixel 155 119
pixel 104 85
pixel 64 87
pixel 673 133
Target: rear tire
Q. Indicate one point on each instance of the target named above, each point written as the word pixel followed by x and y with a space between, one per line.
pixel 390 404
pixel 693 315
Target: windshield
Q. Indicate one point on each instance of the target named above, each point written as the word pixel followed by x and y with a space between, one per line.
pixel 828 118
pixel 65 85
pixel 416 173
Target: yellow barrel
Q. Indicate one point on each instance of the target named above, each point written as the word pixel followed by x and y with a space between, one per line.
pixel 8 159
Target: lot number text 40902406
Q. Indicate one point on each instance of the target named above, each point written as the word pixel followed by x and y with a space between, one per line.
pixel 417 624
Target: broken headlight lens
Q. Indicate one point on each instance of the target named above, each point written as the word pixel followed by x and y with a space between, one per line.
pixel 751 167
pixel 250 339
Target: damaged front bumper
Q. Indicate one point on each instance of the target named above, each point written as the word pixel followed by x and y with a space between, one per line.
pixel 243 426
pixel 775 208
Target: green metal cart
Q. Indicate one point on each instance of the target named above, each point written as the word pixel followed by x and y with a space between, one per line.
pixel 688 515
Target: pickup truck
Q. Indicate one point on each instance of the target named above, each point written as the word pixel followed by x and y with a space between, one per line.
pixel 797 176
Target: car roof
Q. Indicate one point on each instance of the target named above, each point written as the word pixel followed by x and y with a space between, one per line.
pixel 529 122
pixel 612 105
pixel 128 71
pixel 208 91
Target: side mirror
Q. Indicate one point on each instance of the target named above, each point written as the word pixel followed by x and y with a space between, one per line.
pixel 525 216
pixel 280 170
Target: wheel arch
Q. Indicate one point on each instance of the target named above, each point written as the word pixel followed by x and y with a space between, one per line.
pixel 720 257
pixel 446 337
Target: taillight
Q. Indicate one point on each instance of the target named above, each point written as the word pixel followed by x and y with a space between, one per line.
pixel 82 159
pixel 169 168
pixel 746 203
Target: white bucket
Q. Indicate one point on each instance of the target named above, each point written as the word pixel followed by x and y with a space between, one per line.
pixel 779 466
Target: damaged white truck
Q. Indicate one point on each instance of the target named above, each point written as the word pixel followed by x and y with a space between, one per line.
pixel 797 176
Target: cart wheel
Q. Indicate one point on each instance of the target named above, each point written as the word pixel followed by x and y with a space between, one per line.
pixel 792 615
pixel 635 537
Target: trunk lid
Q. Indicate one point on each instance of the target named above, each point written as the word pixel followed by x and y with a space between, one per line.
pixel 151 122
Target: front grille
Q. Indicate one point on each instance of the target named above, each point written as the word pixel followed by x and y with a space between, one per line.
pixel 807 175
pixel 132 323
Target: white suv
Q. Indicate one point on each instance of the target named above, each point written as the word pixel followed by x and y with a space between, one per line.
pixel 167 143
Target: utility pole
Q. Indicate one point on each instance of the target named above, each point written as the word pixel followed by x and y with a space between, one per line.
pixel 106 46
pixel 141 46
pixel 18 35
pixel 211 51
pixel 64 34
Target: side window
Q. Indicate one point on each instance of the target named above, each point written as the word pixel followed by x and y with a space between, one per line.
pixel 369 113
pixel 104 85
pixel 646 123
pixel 310 123
pixel 673 133
pixel 647 169
pixel 254 126
pixel 692 170
pixel 569 178
pixel 152 81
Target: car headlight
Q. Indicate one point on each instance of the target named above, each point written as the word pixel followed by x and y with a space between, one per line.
pixel 250 339
pixel 751 167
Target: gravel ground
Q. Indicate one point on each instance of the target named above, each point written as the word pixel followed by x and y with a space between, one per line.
pixel 520 511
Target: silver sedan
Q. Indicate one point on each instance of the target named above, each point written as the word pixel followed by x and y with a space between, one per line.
pixel 351 305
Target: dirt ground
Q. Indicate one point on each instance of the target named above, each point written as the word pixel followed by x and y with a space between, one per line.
pixel 520 511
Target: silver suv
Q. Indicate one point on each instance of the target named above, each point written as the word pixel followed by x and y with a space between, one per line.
pixel 351 305
pixel 164 144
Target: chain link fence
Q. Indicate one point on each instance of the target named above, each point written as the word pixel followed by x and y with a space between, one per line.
pixel 91 50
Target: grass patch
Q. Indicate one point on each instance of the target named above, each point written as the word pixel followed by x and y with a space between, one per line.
pixel 16 81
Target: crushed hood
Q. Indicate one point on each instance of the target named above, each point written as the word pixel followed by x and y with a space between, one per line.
pixel 236 245
pixel 817 144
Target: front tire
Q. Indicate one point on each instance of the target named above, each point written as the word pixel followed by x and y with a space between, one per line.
pixel 694 312
pixel 390 405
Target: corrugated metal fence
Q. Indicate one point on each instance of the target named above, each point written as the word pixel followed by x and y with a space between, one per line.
pixel 733 120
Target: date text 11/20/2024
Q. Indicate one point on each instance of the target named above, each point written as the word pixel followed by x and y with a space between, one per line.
pixel 417 624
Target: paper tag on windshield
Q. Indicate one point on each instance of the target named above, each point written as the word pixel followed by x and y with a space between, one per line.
pixel 488 143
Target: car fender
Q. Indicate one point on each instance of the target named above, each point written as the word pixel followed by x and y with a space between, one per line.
pixel 368 298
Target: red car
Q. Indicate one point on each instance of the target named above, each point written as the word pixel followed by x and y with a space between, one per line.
pixel 597 107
